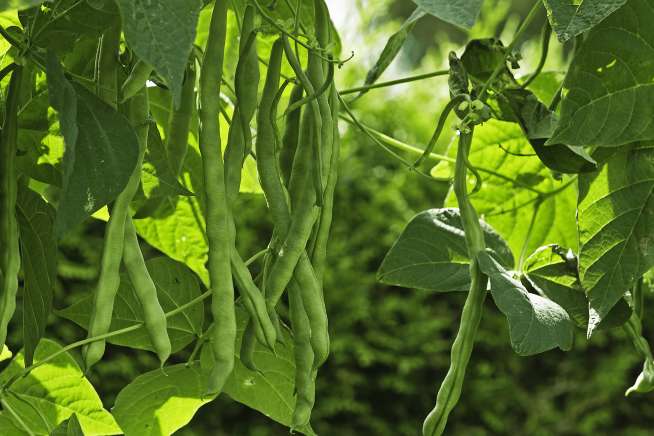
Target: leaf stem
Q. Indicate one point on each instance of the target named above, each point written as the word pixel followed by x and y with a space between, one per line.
pixel 394 82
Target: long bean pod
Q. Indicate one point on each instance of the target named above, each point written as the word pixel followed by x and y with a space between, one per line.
pixel 239 140
pixel 146 291
pixel 319 251
pixel 109 280
pixel 450 389
pixel 285 223
pixel 9 239
pixel 305 387
pixel 219 233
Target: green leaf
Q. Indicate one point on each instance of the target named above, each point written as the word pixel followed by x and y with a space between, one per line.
pixel 39 262
pixel 393 47
pixel 482 56
pixel 101 150
pixel 162 33
pixel 608 89
pixel 538 123
pixel 161 402
pixel 431 253
pixel 519 189
pixel 536 324
pixel 570 18
pixel 70 427
pixel 462 13
pixel 270 392
pixel 616 224
pixel 6 5
pixel 176 286
pixel 52 392
pixel 5 354
pixel 8 427
pixel 552 272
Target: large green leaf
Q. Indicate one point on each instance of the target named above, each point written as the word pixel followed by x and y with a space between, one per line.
pixel 518 190
pixel 616 224
pixel 176 285
pixel 570 18
pixel 54 391
pixel 101 149
pixel 8 427
pixel 552 272
pixel 462 13
pixel 431 253
pixel 161 402
pixel 536 324
pixel 39 261
pixel 162 33
pixel 538 124
pixel 608 89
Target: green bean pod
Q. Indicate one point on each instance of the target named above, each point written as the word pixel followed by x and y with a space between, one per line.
pixel 239 140
pixel 288 145
pixel 450 390
pixel 109 280
pixel 253 298
pixel 136 80
pixel 146 291
pixel 285 223
pixel 179 123
pixel 218 221
pixel 9 239
pixel 316 126
pixel 305 387
pixel 319 251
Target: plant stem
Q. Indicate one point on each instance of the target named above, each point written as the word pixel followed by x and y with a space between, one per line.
pixel 394 82
pixel 450 390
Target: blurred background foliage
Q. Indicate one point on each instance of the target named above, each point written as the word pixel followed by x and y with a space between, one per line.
pixel 391 345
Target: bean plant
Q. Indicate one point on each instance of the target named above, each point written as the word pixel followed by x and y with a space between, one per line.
pixel 153 117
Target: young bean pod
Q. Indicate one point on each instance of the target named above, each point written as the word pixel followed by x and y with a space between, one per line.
pixel 146 292
pixel 137 77
pixel 305 386
pixel 239 140
pixel 109 280
pixel 288 145
pixel 9 240
pixel 319 251
pixel 450 390
pixel 218 221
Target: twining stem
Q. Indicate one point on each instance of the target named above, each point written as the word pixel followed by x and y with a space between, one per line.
pixel 178 310
pixel 450 390
pixel 396 143
pixel 394 82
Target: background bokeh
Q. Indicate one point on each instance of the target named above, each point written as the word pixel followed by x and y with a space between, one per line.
pixel 391 345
